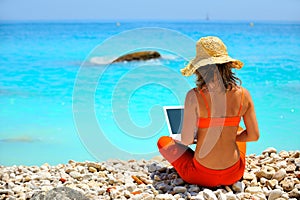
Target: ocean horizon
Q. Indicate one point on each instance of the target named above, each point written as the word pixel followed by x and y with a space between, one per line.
pixel 61 98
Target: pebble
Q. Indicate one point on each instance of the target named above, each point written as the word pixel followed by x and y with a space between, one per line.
pixel 287 184
pixel 157 178
pixel 269 176
pixel 164 197
pixel 295 154
pixel 220 195
pixel 275 194
pixel 231 196
pixel 179 189
pixel 269 150
pixel 254 190
pixel 75 175
pixel 259 196
pixel 92 169
pixel 285 196
pixel 290 168
pixel 152 167
pixel 267 160
pixel 238 186
pixel 130 187
pixel 280 175
pixel 249 176
pixel 266 172
pixel 271 183
pixel 294 193
pixel 194 188
pixel 178 181
pixel 284 154
pixel 7 192
pixel 209 195
pixel 282 164
pixel 263 180
pixel 18 189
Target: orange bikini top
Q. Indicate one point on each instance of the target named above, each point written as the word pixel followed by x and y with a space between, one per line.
pixel 206 122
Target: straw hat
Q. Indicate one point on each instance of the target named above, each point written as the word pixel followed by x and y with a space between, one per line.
pixel 209 50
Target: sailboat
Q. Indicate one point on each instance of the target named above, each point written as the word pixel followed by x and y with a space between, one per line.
pixel 207 17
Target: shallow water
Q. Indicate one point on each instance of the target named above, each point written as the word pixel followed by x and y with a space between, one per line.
pixel 56 105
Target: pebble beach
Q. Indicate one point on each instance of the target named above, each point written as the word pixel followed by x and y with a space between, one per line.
pixel 270 175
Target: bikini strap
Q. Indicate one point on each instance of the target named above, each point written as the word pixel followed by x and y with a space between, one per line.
pixel 197 95
pixel 204 99
pixel 241 104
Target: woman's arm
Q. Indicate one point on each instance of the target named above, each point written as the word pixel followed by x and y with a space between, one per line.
pixel 251 133
pixel 189 119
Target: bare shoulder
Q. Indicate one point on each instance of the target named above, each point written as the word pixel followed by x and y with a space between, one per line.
pixel 247 94
pixel 191 92
pixel 248 102
pixel 191 97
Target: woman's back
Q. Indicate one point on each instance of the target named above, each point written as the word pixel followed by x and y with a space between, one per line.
pixel 216 145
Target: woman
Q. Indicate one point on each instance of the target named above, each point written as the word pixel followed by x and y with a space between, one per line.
pixel 214 109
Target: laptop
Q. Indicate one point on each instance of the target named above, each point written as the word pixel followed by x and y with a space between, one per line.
pixel 174 119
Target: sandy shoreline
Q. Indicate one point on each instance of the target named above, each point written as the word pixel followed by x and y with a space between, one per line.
pixel 271 175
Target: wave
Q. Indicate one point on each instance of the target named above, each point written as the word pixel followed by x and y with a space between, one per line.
pixel 102 60
pixel 24 139
pixel 169 57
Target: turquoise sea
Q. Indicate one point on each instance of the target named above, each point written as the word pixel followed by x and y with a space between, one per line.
pixel 61 99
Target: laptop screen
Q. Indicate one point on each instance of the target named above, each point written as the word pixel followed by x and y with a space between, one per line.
pixel 175 116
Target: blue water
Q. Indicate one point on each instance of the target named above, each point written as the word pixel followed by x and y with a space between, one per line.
pixel 61 100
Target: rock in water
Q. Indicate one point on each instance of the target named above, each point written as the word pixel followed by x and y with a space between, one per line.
pixel 136 56
pixel 60 193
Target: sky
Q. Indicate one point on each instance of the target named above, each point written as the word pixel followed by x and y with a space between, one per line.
pixel 117 10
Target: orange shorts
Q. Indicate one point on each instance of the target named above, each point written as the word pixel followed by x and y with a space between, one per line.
pixel 191 171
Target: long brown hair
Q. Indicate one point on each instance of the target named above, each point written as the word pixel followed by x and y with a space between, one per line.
pixel 206 74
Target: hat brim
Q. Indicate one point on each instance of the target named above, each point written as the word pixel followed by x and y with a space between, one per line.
pixel 195 64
